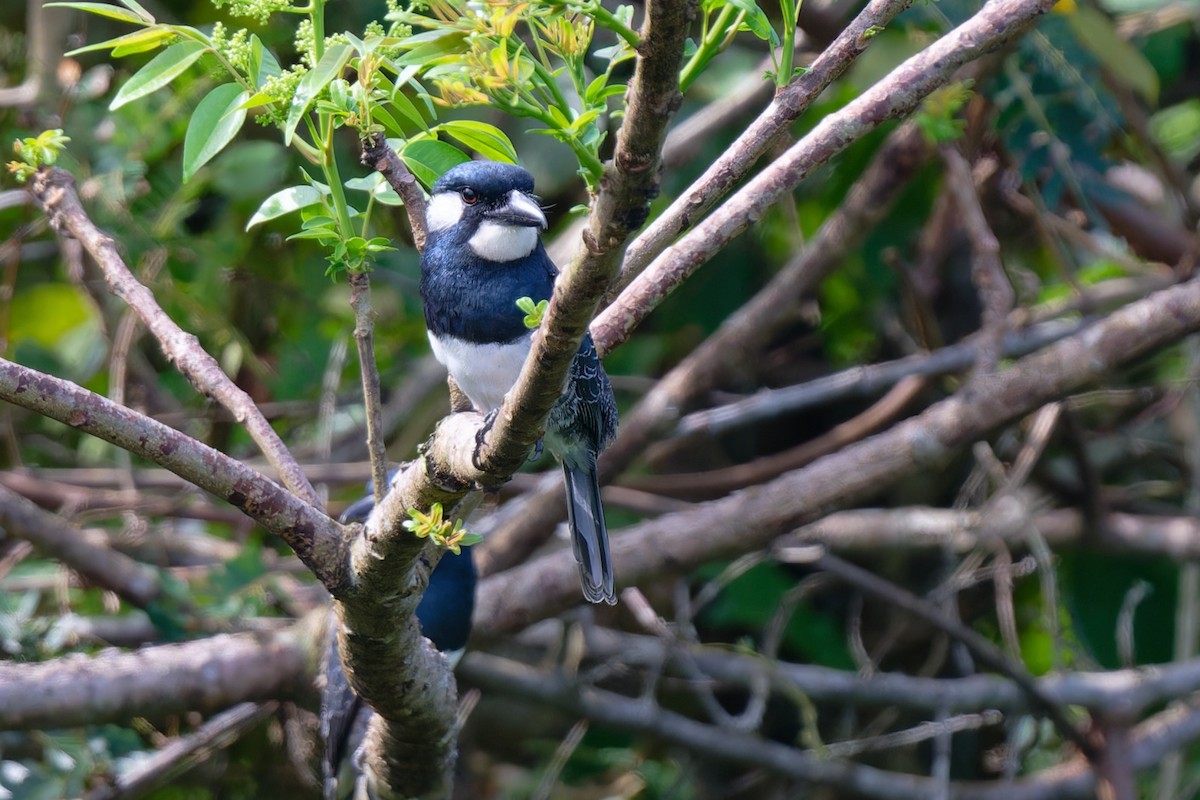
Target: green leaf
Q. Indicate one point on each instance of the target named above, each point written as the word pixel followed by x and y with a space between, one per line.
pixel 165 35
pixel 323 235
pixel 428 159
pixel 487 140
pixel 283 202
pixel 409 110
pixel 138 9
pixel 214 123
pixel 1177 129
pixel 263 65
pixel 130 43
pixel 390 125
pixel 257 99
pixel 425 48
pixel 160 71
pixel 103 10
pixel 377 186
pixel 329 67
pixel 319 221
pixel 756 20
pixel 598 90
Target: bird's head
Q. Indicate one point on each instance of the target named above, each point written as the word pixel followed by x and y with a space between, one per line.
pixel 491 206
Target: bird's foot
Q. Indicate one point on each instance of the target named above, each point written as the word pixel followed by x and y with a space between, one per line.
pixel 481 437
pixel 536 453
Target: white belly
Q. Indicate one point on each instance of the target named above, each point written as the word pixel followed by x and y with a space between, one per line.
pixel 485 372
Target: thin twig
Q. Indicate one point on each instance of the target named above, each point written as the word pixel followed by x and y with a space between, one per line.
pixel 378 155
pixel 54 536
pixel 185 753
pixel 364 341
pixel 996 294
pixel 981 648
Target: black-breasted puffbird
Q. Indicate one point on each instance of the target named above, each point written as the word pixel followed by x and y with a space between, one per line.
pixel 444 612
pixel 483 252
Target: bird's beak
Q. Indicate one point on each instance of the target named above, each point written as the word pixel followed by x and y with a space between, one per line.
pixel 520 210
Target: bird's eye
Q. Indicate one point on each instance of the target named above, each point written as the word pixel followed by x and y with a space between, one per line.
pixel 469 196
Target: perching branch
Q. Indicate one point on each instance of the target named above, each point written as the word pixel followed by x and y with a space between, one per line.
pixel 447 469
pixel 621 206
pixel 737 342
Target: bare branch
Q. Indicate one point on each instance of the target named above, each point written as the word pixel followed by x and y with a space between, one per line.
pixel 866 380
pixel 728 170
pixel 206 675
pixel 54 190
pixel 315 538
pixel 364 341
pixel 1128 692
pixel 55 537
pixel 737 524
pixel 185 752
pixel 379 156
pixel 987 271
pixel 983 650
pixel 895 96
pixel 1148 742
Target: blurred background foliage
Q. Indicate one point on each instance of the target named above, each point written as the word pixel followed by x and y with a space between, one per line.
pixel 1094 117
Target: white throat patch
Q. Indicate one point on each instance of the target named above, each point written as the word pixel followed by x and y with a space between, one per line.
pixel 496 242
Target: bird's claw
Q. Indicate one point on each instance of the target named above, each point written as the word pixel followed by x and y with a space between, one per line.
pixel 536 453
pixel 481 437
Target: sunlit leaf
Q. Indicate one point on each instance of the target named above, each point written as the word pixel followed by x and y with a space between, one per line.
pixel 160 71
pixel 487 140
pixel 283 202
pixel 130 43
pixel 428 159
pixel 138 9
pixel 329 67
pixel 263 65
pixel 103 10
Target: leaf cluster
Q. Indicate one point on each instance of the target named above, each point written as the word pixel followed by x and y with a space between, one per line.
pixel 36 152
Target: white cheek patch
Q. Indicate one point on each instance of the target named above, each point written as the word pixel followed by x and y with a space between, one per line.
pixel 496 242
pixel 485 372
pixel 444 211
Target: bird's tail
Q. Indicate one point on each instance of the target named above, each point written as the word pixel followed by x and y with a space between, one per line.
pixel 588 534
